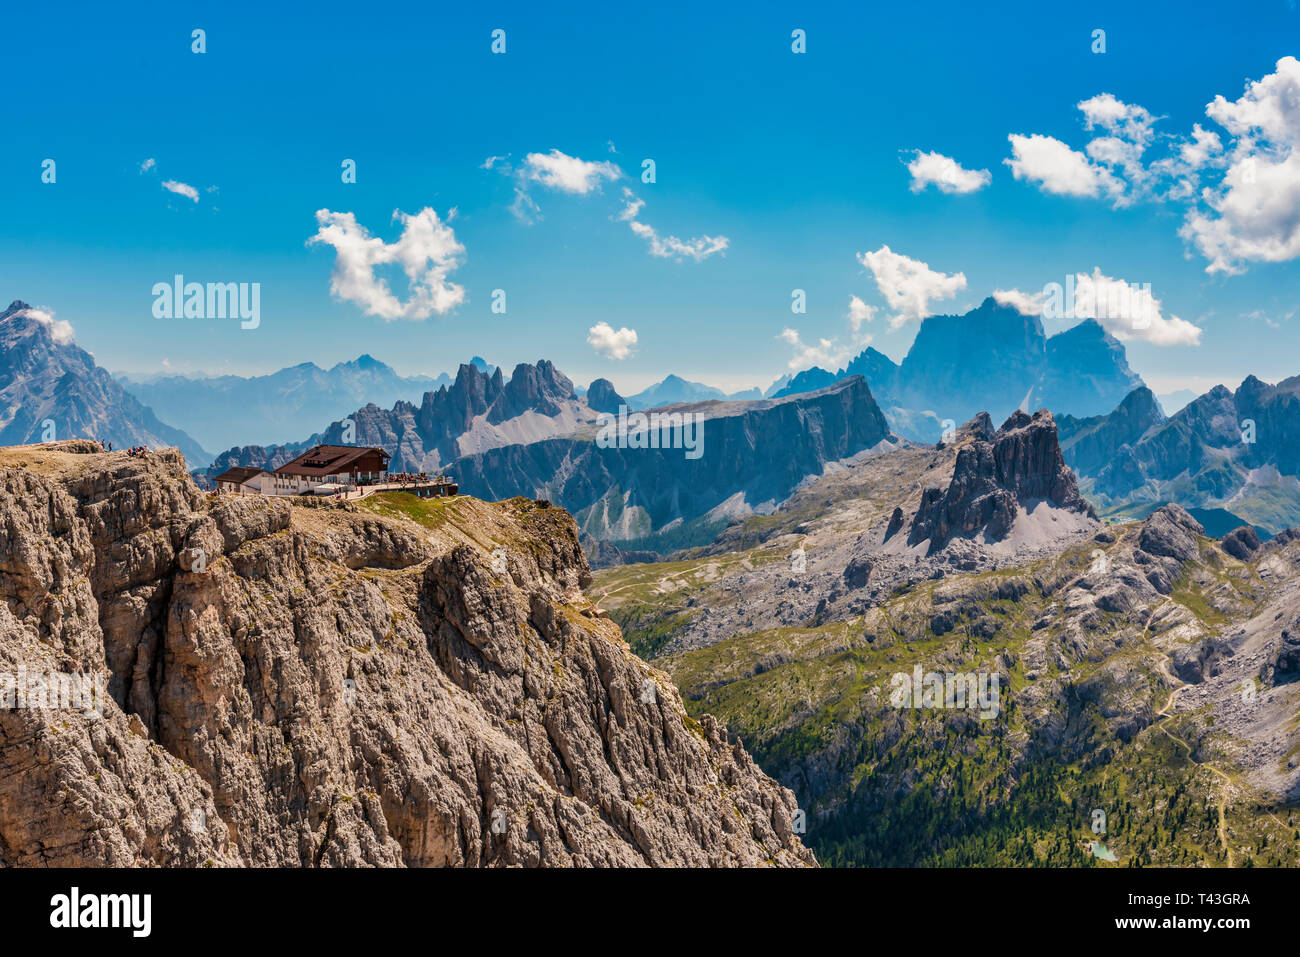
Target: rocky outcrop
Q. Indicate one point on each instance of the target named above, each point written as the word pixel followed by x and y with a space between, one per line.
pixel 1169 537
pixel 1021 463
pixel 602 397
pixel 1241 543
pixel 857 572
pixel 532 388
pixel 896 521
pixel 328 687
pixel 1286 663
pixel 1170 532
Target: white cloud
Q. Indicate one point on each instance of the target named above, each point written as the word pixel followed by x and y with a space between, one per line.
pixel 1057 169
pixel 1253 214
pixel 1130 129
pixel 148 164
pixel 181 189
pixel 610 343
pixel 831 353
pixel 1241 197
pixel 491 162
pixel 632 206
pixel 668 247
pixel 827 353
pixel 525 208
pixel 1203 148
pixel 1128 311
pixel 427 250
pixel 859 312
pixel 1025 303
pixel 908 285
pixel 1132 122
pixel 568 173
pixel 945 173
pixel 60 329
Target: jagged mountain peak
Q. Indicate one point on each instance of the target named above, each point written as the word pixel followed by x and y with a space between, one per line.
pixel 602 397
pixel 51 388
pixel 995 479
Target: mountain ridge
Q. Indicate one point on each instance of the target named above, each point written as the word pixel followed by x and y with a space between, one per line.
pixel 49 384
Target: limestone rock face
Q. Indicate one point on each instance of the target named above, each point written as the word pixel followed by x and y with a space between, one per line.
pixel 992 477
pixel 1242 543
pixel 1167 540
pixel 1170 532
pixel 329 686
pixel 1286 663
pixel 602 397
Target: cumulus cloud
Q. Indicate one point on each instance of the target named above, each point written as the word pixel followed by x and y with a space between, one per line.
pixel 1055 168
pixel 60 329
pixel 831 353
pixel 1253 213
pixel 1026 303
pixel 427 251
pixel 945 173
pixel 827 353
pixel 1128 311
pixel 181 189
pixel 859 312
pixel 668 247
pixel 1240 193
pixel 611 343
pixel 148 164
pixel 1204 148
pixel 568 174
pixel 908 284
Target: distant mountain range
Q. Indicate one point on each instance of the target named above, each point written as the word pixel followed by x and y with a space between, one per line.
pixel 755 454
pixel 533 435
pixel 1238 451
pixel 675 389
pixel 992 359
pixel 478 411
pixel 52 389
pixel 228 410
pixel 1231 456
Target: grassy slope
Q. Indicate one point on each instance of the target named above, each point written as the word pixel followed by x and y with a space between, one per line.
pixel 885 786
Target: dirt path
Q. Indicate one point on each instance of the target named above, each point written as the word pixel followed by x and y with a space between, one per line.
pixel 1167 712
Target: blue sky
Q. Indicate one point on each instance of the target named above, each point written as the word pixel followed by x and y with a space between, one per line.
pixel 799 160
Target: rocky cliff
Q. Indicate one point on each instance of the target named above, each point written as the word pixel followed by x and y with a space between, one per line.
pixel 752 455
pixel 392 683
pixel 994 477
